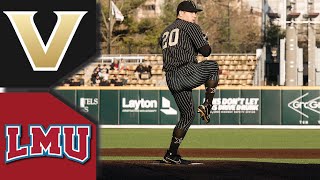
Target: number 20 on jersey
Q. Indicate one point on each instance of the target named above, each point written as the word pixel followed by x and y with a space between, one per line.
pixel 170 38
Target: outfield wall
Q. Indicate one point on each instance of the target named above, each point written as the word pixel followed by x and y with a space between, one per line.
pixel 231 105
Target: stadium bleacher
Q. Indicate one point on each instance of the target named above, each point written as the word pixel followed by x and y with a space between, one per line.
pixel 237 69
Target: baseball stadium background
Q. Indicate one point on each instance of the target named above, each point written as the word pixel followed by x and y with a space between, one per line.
pixel 266 113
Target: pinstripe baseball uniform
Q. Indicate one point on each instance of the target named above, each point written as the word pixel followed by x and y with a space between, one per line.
pixel 180 43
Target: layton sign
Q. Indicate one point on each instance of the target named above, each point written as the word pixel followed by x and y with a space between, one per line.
pixel 145 105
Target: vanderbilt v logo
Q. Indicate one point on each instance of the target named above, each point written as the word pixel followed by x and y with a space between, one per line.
pixel 45 57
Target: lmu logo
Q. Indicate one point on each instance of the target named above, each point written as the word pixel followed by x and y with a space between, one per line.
pixel 72 141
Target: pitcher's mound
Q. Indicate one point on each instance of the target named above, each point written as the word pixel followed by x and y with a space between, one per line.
pixel 161 162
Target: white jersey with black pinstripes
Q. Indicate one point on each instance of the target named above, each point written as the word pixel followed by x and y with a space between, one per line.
pixel 180 42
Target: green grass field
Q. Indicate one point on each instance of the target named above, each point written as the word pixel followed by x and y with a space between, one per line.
pixel 289 161
pixel 212 138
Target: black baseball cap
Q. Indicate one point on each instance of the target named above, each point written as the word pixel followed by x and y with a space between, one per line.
pixel 188 6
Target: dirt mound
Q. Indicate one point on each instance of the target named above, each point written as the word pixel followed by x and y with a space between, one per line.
pixel 202 170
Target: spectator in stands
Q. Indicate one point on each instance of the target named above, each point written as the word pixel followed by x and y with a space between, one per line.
pixel 104 82
pixel 118 82
pixel 122 66
pixel 114 65
pixel 96 81
pixel 147 69
pixel 105 67
pixel 104 74
pixel 94 75
pixel 125 81
pixel 139 69
pixel 143 71
pixel 97 68
pixel 112 79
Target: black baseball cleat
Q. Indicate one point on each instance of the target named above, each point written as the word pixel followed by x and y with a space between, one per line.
pixel 171 158
pixel 204 111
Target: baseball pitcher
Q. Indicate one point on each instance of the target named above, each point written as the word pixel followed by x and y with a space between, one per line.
pixel 181 42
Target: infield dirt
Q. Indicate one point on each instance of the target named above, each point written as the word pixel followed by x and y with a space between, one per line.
pixel 216 169
pixel 217 153
pixel 208 170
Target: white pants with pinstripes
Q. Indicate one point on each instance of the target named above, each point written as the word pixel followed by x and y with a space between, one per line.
pixel 182 81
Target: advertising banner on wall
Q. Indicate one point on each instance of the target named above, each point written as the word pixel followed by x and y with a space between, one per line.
pixel 230 106
pixel 301 107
